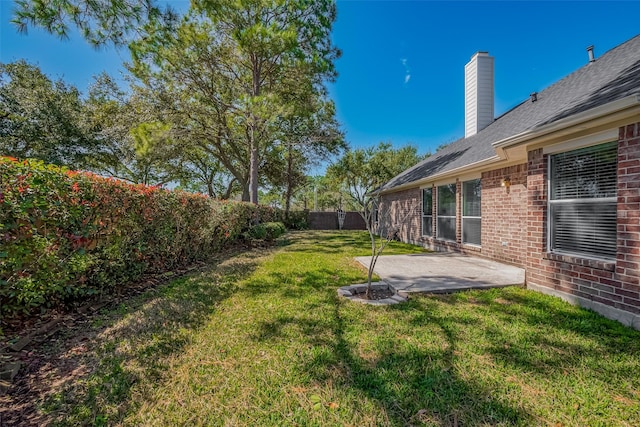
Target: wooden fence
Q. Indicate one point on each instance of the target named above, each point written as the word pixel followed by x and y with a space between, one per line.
pixel 329 221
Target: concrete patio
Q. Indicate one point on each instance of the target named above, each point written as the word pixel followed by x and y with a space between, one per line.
pixel 443 272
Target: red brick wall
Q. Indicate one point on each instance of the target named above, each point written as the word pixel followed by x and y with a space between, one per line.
pixel 504 215
pixel 628 251
pixel 408 204
pixel 405 204
pixel 614 284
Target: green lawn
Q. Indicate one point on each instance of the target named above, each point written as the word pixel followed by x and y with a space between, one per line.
pixel 262 339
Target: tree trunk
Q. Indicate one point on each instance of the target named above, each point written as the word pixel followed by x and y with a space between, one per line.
pixel 289 193
pixel 227 194
pixel 373 257
pixel 253 171
pixel 253 144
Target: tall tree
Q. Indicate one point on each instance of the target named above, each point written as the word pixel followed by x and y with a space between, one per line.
pixel 99 21
pixel 134 144
pixel 41 118
pixel 319 193
pixel 361 171
pixel 235 61
pixel 200 171
pixel 225 72
pixel 305 138
pixel 182 71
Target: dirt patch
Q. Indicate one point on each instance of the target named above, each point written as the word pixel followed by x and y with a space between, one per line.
pixel 381 294
pixel 376 294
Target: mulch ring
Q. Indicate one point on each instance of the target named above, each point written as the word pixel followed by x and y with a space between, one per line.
pixel 376 294
pixel 381 294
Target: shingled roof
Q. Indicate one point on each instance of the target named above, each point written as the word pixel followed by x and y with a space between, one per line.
pixel 613 76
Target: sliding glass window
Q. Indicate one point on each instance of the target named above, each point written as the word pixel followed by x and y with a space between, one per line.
pixel 427 211
pixel 471 212
pixel 446 222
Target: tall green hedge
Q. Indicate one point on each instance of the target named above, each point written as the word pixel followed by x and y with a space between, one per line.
pixel 64 234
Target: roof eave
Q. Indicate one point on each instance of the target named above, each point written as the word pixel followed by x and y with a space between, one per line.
pixel 442 175
pixel 611 111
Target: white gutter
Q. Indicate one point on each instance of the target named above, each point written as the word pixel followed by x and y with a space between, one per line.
pixel 567 122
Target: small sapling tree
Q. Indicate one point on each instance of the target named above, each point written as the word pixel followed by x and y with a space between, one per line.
pixel 361 173
pixel 385 226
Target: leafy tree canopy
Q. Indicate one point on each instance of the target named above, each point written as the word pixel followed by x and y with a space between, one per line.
pixel 41 118
pixel 237 85
pixel 242 77
pixel 99 21
pixel 361 171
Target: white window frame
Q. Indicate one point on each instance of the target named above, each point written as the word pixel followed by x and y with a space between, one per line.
pixel 468 216
pixel 430 231
pixel 575 145
pixel 454 216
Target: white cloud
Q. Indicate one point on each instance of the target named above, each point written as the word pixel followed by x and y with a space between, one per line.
pixel 407 70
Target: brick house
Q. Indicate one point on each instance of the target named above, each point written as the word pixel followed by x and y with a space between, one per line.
pixel 552 186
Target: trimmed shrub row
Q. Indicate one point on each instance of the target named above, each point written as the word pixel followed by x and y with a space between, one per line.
pixel 64 234
pixel 297 220
pixel 268 231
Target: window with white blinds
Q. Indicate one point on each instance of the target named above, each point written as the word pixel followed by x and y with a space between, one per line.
pixel 582 201
pixel 427 211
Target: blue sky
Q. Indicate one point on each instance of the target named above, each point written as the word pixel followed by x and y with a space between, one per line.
pixel 401 72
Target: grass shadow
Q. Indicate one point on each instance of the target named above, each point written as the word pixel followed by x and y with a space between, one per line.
pixel 431 389
pixel 134 341
pixel 484 361
pixel 409 385
pixel 537 339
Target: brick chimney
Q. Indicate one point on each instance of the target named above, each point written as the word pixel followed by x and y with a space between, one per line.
pixel 478 93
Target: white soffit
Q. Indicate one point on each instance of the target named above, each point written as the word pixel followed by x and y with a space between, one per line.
pixel 586 141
